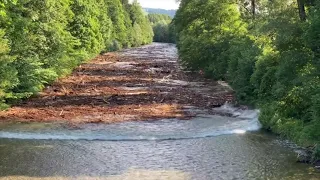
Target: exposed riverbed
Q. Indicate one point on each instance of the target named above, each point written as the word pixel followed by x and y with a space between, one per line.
pixel 164 127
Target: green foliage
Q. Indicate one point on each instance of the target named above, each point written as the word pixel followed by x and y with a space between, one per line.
pixel 8 74
pixel 155 18
pixel 130 25
pixel 88 27
pixel 204 39
pixel 117 15
pixel 141 25
pixel 270 58
pixel 42 40
pixel 242 56
pixel 162 27
pixel 316 153
pixel 312 35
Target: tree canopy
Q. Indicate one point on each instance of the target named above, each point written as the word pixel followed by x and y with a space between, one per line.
pixel 41 41
pixel 269 53
pixel 162 28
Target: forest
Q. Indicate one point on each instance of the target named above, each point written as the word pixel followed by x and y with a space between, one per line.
pixel 170 13
pixel 42 40
pixel 163 28
pixel 268 51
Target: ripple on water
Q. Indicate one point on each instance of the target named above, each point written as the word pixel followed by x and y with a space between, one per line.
pixel 205 148
pixel 247 156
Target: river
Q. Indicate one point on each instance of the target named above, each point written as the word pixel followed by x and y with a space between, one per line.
pixel 206 147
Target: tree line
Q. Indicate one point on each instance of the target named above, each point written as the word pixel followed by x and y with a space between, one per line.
pixel 162 27
pixel 42 40
pixel 170 13
pixel 268 51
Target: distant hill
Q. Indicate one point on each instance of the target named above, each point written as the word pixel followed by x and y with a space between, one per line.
pixel 171 13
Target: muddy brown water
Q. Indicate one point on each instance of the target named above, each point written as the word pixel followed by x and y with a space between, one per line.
pixel 207 147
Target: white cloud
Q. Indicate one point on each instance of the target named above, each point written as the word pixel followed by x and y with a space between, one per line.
pixel 162 4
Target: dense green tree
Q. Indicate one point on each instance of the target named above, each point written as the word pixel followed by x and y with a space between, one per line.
pixel 140 24
pixel 269 53
pixel 155 18
pixel 205 33
pixel 119 29
pixel 8 73
pixel 162 27
pixel 87 23
pixel 41 40
pixel 161 32
pixel 130 34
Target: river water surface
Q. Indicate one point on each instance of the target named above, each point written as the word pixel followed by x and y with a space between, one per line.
pixel 205 148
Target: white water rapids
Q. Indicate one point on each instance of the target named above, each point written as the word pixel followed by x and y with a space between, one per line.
pixel 201 126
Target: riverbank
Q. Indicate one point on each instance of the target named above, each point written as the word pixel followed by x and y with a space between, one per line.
pixel 143 83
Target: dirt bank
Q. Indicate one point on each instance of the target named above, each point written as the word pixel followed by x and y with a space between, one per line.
pixel 136 84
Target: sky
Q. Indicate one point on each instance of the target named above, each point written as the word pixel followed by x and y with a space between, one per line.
pixel 162 4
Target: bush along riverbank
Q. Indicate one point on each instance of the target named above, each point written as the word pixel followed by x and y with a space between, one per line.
pixel 268 51
pixel 41 41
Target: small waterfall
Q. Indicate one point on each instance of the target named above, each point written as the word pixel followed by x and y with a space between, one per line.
pixel 202 126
